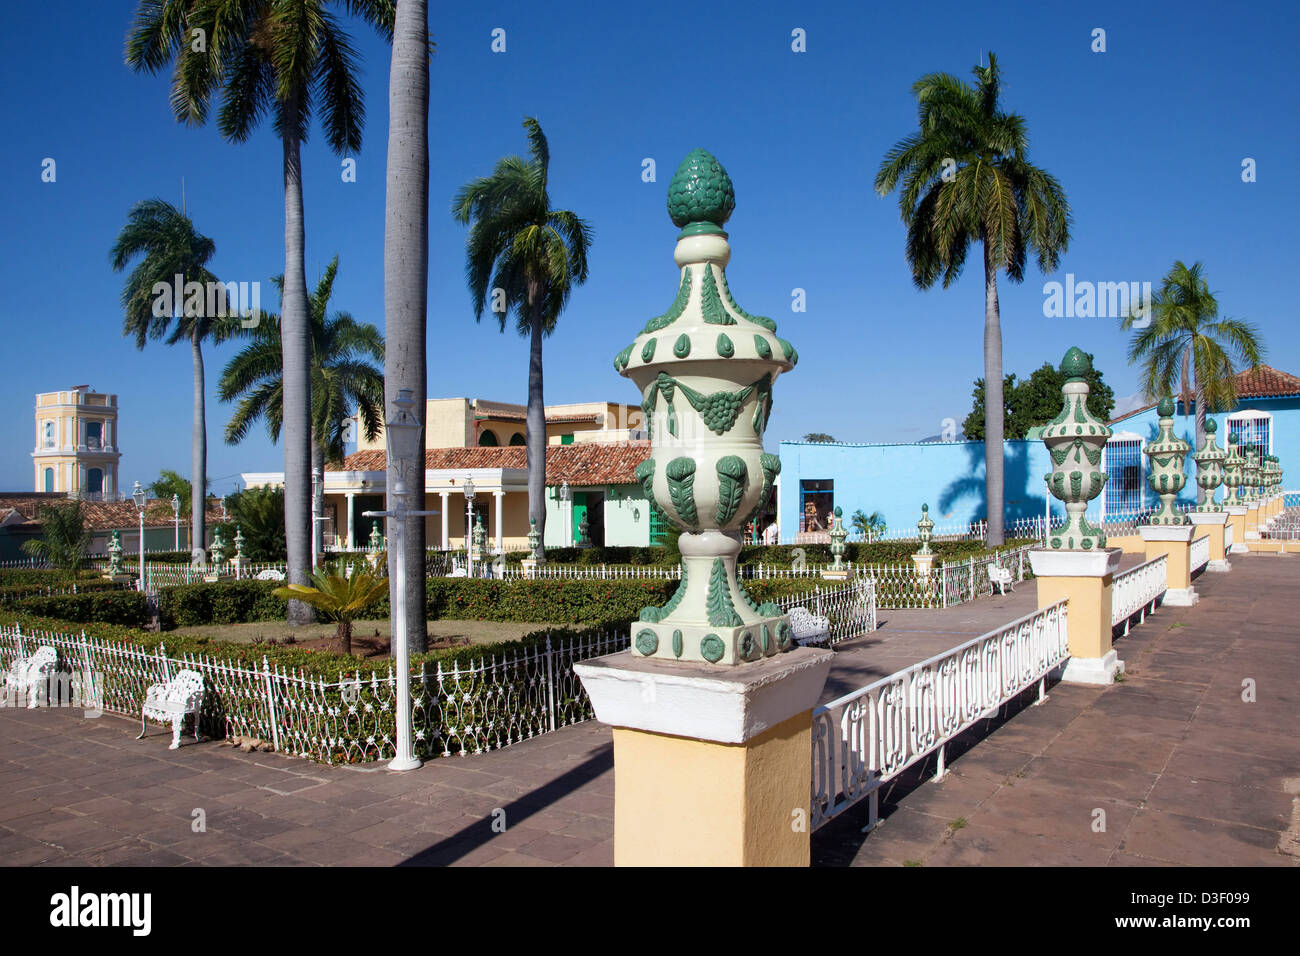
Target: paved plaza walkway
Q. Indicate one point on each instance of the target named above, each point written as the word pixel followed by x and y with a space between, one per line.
pixel 1184 770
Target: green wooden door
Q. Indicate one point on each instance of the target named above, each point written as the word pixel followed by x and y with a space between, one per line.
pixel 579 512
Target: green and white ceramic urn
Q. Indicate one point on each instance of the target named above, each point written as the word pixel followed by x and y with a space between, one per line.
pixel 1209 468
pixel 1166 477
pixel 1075 440
pixel 1234 472
pixel 705 369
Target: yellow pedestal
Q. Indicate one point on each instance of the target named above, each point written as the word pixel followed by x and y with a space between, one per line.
pixel 684 802
pixel 1252 521
pixel 712 764
pixel 1213 524
pixel 1085 579
pixel 1175 543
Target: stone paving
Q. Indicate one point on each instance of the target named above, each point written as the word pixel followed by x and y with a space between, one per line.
pixel 1185 771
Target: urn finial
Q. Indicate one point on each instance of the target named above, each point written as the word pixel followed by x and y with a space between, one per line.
pixel 1075 439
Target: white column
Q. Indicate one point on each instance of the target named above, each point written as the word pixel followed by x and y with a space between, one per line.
pixel 500 497
pixel 445 495
pixel 351 496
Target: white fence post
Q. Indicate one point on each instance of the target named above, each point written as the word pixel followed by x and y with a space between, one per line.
pixel 270 703
pixel 550 685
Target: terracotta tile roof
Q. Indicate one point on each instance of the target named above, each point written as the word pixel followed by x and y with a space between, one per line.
pixel 1263 381
pixel 103 515
pixel 582 463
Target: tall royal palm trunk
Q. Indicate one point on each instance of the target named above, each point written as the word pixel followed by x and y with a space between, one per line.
pixel 994 490
pixel 535 425
pixel 295 338
pixel 406 279
pixel 198 451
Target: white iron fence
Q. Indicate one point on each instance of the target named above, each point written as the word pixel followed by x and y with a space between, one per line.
pixel 865 738
pixel 1200 553
pixel 1134 593
pixel 900 586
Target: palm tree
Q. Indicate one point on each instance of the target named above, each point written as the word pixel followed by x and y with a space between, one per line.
pixel 65 539
pixel 527 257
pixel 966 177
pixel 342 379
pixel 1181 339
pixel 286 57
pixel 169 245
pixel 340 598
pixel 406 276
pixel 870 526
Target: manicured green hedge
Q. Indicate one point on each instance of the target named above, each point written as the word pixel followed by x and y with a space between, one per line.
pixel 46 577
pixel 128 608
pixel 224 602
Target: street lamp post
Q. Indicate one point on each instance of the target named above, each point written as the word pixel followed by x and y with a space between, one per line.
pixel 315 519
pixel 138 495
pixel 469 522
pixel 566 496
pixel 403 435
pixel 176 517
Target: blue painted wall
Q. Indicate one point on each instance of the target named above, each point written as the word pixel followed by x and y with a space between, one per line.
pixel 897 479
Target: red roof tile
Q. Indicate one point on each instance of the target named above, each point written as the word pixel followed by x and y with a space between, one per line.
pixel 103 515
pixel 582 463
pixel 1263 381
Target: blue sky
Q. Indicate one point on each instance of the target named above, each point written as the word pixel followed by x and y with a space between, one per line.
pixel 1147 139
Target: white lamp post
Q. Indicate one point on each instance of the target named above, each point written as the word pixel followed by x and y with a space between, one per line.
pixel 176 517
pixel 139 496
pixel 469 527
pixel 315 519
pixel 566 496
pixel 403 436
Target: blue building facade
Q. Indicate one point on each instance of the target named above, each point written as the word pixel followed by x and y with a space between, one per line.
pixel 896 479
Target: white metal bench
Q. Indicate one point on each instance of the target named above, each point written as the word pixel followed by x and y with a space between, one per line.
pixel 1001 578
pixel 181 695
pixel 807 627
pixel 270 574
pixel 30 674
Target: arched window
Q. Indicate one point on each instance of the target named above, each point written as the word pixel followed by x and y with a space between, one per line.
pixel 49 435
pixel 95 481
pixel 517 439
pixel 488 439
pixel 49 479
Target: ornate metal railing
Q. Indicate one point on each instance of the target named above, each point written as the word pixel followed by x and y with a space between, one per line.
pixel 865 738
pixel 1200 553
pixel 1134 592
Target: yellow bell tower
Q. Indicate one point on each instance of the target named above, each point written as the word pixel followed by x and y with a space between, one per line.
pixel 76 444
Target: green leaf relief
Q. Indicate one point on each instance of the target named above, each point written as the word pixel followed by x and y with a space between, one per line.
pixel 680 473
pixel 645 474
pixel 654 615
pixel 731 301
pixel 762 346
pixel 648 350
pixel 725 347
pixel 721 611
pixel 788 350
pixel 710 303
pixel 732 477
pixel 682 347
pixel 621 359
pixel 720 409
pixel 676 309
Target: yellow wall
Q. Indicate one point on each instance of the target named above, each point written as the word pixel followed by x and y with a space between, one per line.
pixel 66 451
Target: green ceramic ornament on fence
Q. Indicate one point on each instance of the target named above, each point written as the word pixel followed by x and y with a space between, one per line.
pixel 1209 460
pixel 1234 474
pixel 1165 473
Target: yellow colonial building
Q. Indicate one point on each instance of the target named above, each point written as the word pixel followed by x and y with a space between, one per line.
pixel 593 450
pixel 76 444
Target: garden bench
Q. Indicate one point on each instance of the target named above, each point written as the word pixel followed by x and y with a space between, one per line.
pixel 807 627
pixel 1001 578
pixel 29 674
pixel 181 695
pixel 270 574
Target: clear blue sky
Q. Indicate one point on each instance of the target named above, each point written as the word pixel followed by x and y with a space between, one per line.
pixel 1147 139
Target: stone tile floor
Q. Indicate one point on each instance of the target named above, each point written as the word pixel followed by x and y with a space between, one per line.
pixel 1185 771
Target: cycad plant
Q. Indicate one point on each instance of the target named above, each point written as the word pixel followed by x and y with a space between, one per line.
pixel 339 597
pixel 524 257
pixel 966 177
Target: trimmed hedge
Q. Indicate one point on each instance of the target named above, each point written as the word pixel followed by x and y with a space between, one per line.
pixel 575 601
pixel 127 608
pixel 46 577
